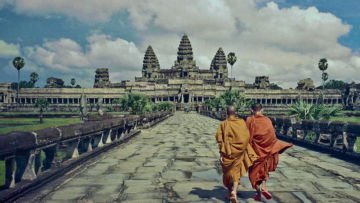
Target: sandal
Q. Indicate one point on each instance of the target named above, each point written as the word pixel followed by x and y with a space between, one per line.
pixel 257 197
pixel 266 194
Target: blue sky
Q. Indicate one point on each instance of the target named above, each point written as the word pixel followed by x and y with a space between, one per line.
pixel 272 38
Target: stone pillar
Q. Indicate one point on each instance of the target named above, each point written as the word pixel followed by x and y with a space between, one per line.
pixel 30 170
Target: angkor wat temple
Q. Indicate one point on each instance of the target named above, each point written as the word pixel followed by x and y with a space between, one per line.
pixel 184 83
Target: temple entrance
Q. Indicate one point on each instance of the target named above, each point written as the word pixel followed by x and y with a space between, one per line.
pixel 186 98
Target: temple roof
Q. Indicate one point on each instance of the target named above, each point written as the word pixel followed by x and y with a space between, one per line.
pixel 185 50
pixel 150 59
pixel 219 60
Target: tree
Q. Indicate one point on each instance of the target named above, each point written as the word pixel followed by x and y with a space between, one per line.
pixel 73 81
pixel 335 84
pixel 229 97
pixel 323 65
pixel 34 77
pixel 274 86
pixel 231 59
pixel 41 104
pixel 18 63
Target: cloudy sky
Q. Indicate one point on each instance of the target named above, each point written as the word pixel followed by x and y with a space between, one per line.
pixel 283 39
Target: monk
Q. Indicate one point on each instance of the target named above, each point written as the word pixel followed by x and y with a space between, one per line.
pixel 236 155
pixel 267 147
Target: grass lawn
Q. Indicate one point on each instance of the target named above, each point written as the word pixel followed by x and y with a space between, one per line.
pixel 30 124
pixel 357 145
pixel 2 172
pixel 346 119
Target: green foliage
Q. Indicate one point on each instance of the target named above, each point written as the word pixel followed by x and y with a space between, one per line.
pixel 18 62
pixel 230 97
pixel 73 81
pixel 275 86
pixel 231 58
pixel 23 84
pixel 140 104
pixel 34 77
pixel 164 106
pixel 42 104
pixel 303 110
pixel 335 84
pixel 310 136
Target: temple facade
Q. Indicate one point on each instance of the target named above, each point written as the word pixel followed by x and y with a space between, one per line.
pixel 184 66
pixel 184 83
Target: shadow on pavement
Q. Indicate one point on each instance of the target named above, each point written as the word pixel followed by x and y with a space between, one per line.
pixel 219 193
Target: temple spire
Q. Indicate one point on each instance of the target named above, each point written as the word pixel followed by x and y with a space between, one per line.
pixel 185 50
pixel 219 64
pixel 219 60
pixel 150 60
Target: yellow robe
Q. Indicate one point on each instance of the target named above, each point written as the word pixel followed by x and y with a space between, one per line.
pixel 233 139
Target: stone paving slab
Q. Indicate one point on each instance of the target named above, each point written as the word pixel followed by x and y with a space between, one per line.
pixel 177 161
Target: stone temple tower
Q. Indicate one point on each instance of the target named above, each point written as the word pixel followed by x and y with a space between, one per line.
pixel 102 78
pixel 185 58
pixel 219 65
pixel 151 64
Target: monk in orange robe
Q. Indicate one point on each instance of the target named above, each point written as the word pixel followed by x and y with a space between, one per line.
pixel 267 147
pixel 236 154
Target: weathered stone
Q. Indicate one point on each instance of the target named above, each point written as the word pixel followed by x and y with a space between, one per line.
pixel 302 175
pixel 262 82
pixel 306 84
pixel 53 82
pixel 102 78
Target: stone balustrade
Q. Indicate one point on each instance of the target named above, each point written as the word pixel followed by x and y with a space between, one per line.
pixel 43 154
pixel 338 137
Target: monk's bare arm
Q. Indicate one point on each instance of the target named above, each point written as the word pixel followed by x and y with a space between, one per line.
pixel 219 137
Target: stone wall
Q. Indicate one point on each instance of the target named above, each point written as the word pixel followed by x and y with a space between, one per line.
pixel 334 137
pixel 33 158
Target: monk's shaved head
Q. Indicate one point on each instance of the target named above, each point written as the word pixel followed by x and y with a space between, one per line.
pixel 231 110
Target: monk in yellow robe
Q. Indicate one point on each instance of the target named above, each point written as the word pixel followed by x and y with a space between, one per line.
pixel 236 154
pixel 267 147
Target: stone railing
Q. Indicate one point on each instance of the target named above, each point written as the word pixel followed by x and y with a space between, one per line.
pixel 30 158
pixel 331 136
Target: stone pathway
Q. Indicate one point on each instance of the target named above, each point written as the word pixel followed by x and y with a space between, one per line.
pixel 177 161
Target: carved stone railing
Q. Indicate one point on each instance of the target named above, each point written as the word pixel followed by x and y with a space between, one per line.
pixel 39 156
pixel 339 137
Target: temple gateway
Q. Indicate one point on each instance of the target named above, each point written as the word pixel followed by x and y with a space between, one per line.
pixel 184 83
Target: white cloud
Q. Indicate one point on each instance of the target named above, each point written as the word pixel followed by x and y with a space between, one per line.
pixel 8 50
pixel 284 43
pixel 66 55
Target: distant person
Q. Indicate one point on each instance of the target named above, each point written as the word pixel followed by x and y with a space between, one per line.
pixel 236 154
pixel 267 147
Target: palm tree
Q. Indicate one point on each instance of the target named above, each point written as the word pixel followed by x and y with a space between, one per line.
pixel 73 81
pixel 323 65
pixel 34 77
pixel 18 63
pixel 231 59
pixel 42 104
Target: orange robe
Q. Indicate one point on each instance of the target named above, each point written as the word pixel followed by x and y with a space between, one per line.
pixel 233 139
pixel 267 147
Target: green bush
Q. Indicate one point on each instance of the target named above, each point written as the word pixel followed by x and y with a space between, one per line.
pixel 304 110
pixel 140 104
pixel 230 97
